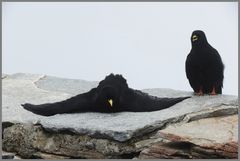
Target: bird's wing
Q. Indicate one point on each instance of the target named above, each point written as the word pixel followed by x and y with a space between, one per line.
pixel 188 67
pixel 80 103
pixel 142 102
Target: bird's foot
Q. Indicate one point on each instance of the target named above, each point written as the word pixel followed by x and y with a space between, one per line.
pixel 200 93
pixel 213 92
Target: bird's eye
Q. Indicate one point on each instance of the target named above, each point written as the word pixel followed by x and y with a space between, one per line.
pixel 194 38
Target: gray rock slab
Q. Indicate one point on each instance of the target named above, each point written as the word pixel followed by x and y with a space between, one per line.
pixel 71 86
pixel 31 88
pixel 122 126
pixel 20 88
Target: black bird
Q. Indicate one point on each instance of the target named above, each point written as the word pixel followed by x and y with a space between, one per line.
pixel 111 95
pixel 204 66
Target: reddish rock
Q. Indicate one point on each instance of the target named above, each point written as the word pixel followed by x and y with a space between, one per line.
pixel 207 138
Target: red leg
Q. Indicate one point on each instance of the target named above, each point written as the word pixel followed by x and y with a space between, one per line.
pixel 213 91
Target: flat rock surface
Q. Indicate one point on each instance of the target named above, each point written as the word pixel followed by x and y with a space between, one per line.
pixel 71 86
pixel 38 89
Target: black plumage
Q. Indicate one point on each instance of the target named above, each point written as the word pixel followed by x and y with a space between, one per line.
pixel 111 95
pixel 204 66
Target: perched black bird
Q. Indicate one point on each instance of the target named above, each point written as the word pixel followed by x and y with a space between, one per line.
pixel 204 66
pixel 111 95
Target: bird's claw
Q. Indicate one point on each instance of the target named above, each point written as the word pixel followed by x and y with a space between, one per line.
pixel 213 92
pixel 199 93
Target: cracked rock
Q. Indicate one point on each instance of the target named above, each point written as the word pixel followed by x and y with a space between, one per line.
pixel 92 135
pixel 215 137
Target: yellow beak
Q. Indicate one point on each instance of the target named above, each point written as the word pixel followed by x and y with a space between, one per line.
pixel 110 102
pixel 194 38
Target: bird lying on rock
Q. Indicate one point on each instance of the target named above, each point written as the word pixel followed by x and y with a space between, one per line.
pixel 111 95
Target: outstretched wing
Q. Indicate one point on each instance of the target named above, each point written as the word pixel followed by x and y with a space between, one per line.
pixel 137 101
pixel 80 103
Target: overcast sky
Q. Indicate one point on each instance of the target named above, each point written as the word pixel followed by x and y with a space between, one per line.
pixel 146 42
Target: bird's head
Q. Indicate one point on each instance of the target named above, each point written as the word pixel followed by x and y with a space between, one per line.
pixel 198 38
pixel 110 91
pixel 108 96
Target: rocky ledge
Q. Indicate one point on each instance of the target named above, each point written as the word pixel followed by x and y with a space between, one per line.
pixel 198 127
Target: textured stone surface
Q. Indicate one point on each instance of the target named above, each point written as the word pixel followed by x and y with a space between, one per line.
pixel 6 155
pixel 22 88
pixel 32 141
pixel 206 138
pixel 98 135
pixel 210 131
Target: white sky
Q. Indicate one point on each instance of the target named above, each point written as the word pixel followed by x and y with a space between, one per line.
pixel 146 42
